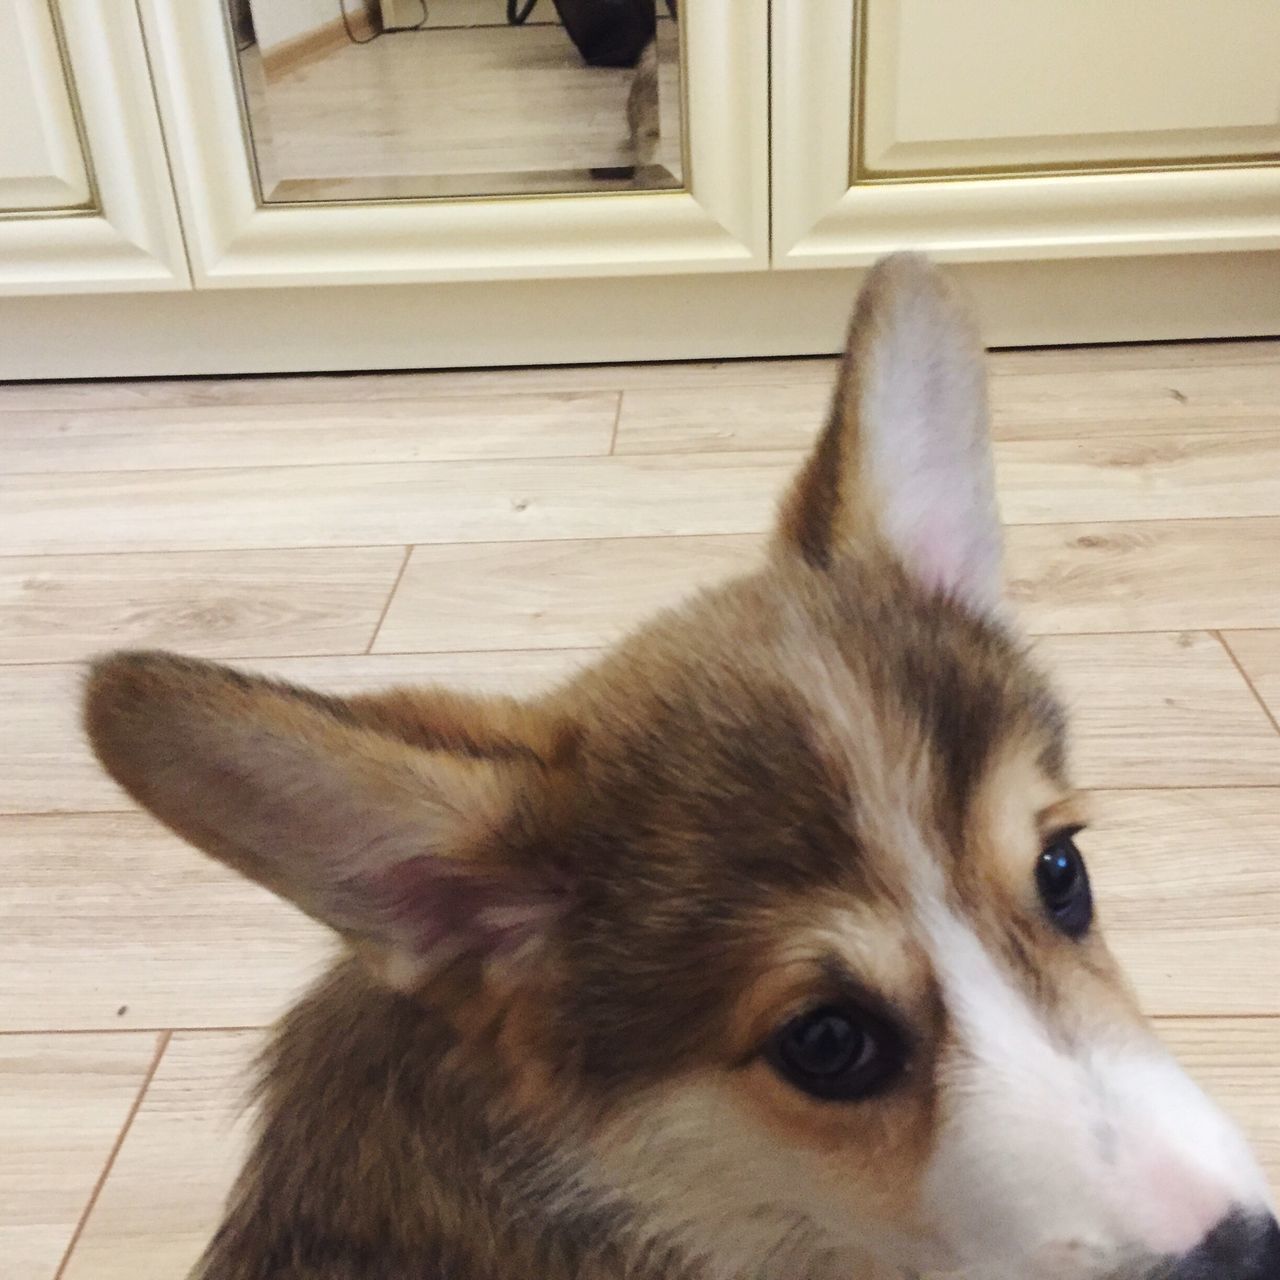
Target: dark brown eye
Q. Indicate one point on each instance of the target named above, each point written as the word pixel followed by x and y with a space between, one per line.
pixel 835 1053
pixel 1063 883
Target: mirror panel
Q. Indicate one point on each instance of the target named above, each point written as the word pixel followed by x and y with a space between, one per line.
pixel 366 100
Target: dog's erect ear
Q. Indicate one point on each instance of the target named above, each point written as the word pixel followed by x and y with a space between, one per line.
pixel 409 824
pixel 905 458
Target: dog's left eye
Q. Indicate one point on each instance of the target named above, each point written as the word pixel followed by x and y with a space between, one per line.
pixel 1063 883
pixel 835 1053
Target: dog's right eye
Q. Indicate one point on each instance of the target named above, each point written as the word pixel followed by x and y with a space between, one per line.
pixel 1063 883
pixel 836 1054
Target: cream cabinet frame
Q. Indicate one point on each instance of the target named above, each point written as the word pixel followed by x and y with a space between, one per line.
pixel 719 223
pixel 127 238
pixel 41 122
pixel 822 217
pixel 759 256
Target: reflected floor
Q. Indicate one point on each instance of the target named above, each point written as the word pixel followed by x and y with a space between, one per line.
pixel 459 111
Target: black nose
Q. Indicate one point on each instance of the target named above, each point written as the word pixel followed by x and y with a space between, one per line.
pixel 1241 1248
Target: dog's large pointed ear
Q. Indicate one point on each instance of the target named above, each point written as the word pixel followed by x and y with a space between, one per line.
pixel 408 825
pixel 905 459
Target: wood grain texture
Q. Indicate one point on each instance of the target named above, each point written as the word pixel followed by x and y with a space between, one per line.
pixel 164 1197
pixel 1035 402
pixel 364 388
pixel 1107 474
pixel 44 763
pixel 63 1103
pixel 1258 653
pixel 1124 529
pixel 1142 356
pixel 1152 576
pixel 1047 482
pixel 108 921
pixel 711 418
pixel 1189 895
pixel 66 608
pixel 423 429
pixel 551 594
pixel 383 503
pixel 1110 405
pixel 359 388
pixel 1160 710
pixel 1130 477
pixel 1239 1063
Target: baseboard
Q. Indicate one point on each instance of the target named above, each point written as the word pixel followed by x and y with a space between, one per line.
pixel 292 54
pixel 596 321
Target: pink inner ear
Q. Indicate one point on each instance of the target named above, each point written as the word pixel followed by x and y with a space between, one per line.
pixel 432 903
pixel 939 553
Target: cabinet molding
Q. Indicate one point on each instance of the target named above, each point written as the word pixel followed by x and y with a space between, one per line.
pixel 686 317
pixel 42 160
pixel 822 218
pixel 132 239
pixel 1007 87
pixel 719 224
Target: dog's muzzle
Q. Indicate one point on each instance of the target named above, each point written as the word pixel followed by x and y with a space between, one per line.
pixel 1241 1248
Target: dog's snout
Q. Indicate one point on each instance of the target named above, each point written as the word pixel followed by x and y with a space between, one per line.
pixel 1241 1248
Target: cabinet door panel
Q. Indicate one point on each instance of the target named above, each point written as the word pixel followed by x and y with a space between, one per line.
pixel 89 208
pixel 1010 85
pixel 1020 133
pixel 399 229
pixel 42 164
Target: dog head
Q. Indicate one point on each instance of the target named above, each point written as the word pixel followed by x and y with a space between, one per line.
pixel 777 915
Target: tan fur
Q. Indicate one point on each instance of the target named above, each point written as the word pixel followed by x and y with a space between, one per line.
pixel 576 923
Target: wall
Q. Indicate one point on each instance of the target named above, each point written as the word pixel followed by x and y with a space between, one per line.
pixel 277 22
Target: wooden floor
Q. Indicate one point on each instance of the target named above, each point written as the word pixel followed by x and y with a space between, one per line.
pixel 494 529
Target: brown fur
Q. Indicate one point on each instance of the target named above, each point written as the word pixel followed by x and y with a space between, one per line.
pixel 700 835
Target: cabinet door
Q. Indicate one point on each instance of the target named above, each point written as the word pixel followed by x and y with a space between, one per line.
pixel 1024 130
pixel 309 150
pixel 85 197
pixel 42 158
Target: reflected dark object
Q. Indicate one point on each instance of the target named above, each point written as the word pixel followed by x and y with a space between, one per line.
pixel 608 33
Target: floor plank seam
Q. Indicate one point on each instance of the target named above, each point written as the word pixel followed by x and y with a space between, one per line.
pixel 348 463
pixel 760 534
pixel 617 421
pixel 176 1029
pixel 161 1045
pixel 371 546
pixel 391 595
pixel 200 549
pixel 1244 675
pixel 20 664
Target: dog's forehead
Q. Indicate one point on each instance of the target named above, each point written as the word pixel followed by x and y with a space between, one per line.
pixel 775 721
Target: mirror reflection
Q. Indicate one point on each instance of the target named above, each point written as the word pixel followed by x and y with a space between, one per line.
pixel 410 99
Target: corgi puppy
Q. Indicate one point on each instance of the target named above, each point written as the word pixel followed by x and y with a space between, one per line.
pixel 765 948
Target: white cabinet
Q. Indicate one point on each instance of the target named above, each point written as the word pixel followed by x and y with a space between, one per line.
pixel 42 159
pixel 1093 171
pixel 85 198
pixel 717 222
pixel 1015 87
pixel 1024 130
